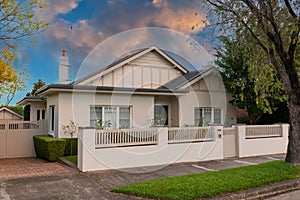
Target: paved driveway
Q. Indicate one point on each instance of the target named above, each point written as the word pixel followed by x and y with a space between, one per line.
pixel 30 167
pixel 69 184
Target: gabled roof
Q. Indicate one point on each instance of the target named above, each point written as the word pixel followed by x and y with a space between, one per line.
pixel 183 80
pixel 129 58
pixel 29 99
pixel 10 111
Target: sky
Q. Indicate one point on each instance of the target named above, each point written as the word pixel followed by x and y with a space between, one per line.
pixel 93 22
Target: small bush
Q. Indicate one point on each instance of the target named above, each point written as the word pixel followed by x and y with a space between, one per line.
pixel 68 146
pixel 49 148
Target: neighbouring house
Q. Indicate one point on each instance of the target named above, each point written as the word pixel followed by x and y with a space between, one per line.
pixel 8 114
pixel 149 87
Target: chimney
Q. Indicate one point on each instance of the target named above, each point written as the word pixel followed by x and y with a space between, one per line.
pixel 63 68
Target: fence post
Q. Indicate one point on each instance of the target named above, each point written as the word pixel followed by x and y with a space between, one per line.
pixel 162 136
pixel 86 147
pixel 240 131
pixel 285 134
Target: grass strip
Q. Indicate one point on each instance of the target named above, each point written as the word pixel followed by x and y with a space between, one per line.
pixel 73 159
pixel 213 183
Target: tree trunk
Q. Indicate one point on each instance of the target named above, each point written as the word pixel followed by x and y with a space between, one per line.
pixel 293 151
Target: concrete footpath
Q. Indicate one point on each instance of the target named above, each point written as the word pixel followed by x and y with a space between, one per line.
pixel 68 183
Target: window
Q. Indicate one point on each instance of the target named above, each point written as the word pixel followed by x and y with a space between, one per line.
pixel 116 116
pixel 38 115
pixel 217 116
pixel 52 118
pixel 124 117
pixel 205 116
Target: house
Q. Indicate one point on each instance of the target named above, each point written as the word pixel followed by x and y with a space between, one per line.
pixel 149 87
pixel 8 114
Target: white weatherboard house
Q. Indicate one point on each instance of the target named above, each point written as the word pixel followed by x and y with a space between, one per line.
pixel 148 87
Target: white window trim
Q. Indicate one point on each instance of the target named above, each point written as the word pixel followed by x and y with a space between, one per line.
pixel 117 113
pixel 212 114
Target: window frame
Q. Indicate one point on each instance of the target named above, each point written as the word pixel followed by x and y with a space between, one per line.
pixel 201 111
pixel 117 115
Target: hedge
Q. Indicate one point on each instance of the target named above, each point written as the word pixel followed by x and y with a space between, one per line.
pixel 49 148
pixel 68 146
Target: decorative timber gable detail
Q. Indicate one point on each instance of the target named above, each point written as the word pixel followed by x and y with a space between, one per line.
pixel 149 68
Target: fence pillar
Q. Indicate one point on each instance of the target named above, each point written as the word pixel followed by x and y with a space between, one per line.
pixel 86 142
pixel 162 136
pixel 240 131
pixel 285 134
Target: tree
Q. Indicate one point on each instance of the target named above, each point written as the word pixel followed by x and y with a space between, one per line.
pixel 17 22
pixel 274 26
pixel 37 85
pixel 70 129
pixel 239 81
pixel 10 79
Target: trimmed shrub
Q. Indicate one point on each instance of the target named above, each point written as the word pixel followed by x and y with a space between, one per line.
pixel 49 148
pixel 68 146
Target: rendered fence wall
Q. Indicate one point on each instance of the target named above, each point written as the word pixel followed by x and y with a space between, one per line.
pixel 262 140
pixel 91 158
pixel 117 149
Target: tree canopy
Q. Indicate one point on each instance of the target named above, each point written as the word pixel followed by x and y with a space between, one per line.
pixel 37 85
pixel 18 22
pixel 241 81
pixel 271 30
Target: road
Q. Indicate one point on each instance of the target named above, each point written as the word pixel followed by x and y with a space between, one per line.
pixel 295 195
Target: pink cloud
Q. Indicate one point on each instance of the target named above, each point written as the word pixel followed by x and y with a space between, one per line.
pixel 57 7
pixel 81 35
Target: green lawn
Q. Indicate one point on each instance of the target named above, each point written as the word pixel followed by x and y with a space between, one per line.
pixel 213 183
pixel 73 159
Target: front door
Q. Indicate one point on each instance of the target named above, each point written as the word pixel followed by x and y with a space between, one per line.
pixel 161 113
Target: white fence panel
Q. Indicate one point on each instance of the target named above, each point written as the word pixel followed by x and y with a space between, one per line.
pixel 263 131
pixel 262 139
pixel 190 134
pixel 125 137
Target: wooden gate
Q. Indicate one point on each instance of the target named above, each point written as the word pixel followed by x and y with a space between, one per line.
pixel 16 137
pixel 229 148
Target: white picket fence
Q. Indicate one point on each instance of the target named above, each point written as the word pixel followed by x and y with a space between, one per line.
pixel 125 137
pixel 259 131
pixel 190 134
pixel 19 125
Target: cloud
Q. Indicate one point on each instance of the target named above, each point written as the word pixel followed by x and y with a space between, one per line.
pixel 57 7
pixel 159 3
pixel 105 20
pixel 122 15
pixel 81 34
